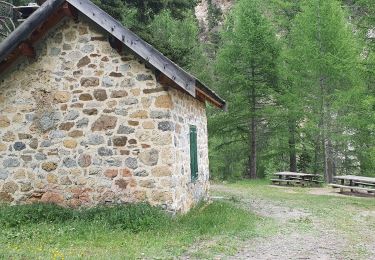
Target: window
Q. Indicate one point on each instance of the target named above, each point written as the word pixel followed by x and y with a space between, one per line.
pixel 193 153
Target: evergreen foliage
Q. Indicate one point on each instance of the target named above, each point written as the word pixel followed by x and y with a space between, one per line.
pixel 247 72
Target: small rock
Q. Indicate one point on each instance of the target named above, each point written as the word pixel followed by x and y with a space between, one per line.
pixel 100 94
pixel 107 82
pixel 163 101
pixel 88 48
pixel 55 51
pixel 144 77
pixel 105 122
pixel 114 162
pixel 131 163
pixel 122 184
pixel 70 144
pixel 62 96
pixel 3 174
pixel 19 146
pixel 142 114
pixel 90 82
pixel 161 171
pixel 69 162
pixel 24 136
pixel 147 184
pixel 26 186
pixel 149 157
pixel 4 122
pixel 129 101
pixel 82 123
pixel 91 111
pixel 84 160
pixel 76 134
pixel 119 94
pixel 6 197
pixel 125 130
pixel 166 126
pixel 133 123
pixel 111 173
pixel 95 139
pixel 66 126
pixel 10 187
pixel 72 115
pixel 141 173
pixel 120 140
pixel 85 97
pixel 52 197
pixel 40 156
pixel 46 143
pixel 83 62
pixel 103 151
pixel 49 120
pixel 34 144
pixel 49 166
pixel 65 180
pixel 3 147
pixel 121 112
pixel 26 158
pixel 160 114
pixel 56 134
pixel 70 36
pixel 11 162
pixel 115 74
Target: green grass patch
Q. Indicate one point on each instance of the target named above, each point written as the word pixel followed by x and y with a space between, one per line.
pixel 131 231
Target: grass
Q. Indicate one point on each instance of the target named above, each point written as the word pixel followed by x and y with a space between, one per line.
pixel 133 231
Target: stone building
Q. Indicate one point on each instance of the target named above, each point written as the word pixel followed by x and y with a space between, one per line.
pixel 91 114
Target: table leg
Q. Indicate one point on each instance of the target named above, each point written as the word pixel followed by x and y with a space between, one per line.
pixel 342 183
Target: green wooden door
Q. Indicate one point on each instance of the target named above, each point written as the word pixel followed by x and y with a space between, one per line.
pixel 193 153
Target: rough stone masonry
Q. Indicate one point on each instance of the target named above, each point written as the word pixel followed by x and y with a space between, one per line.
pixel 83 125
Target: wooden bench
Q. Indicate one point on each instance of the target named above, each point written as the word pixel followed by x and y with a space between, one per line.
pixel 352 187
pixel 286 181
pixel 364 183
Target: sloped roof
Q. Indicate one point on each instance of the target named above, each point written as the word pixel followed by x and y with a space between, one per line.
pixel 20 43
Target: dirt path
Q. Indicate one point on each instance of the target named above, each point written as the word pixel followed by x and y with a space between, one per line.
pixel 318 242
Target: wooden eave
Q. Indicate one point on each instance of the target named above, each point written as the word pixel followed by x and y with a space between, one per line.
pixel 21 41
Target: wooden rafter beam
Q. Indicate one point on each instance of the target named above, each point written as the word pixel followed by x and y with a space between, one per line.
pixel 70 11
pixel 26 47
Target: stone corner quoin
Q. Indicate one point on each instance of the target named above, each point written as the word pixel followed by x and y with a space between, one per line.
pixel 84 125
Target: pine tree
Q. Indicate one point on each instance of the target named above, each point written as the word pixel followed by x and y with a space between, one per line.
pixel 324 61
pixel 247 70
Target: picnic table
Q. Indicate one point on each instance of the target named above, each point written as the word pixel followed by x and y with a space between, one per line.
pixel 354 183
pixel 296 178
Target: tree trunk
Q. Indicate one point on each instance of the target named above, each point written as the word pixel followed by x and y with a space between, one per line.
pixel 292 147
pixel 253 138
pixel 328 161
pixel 253 150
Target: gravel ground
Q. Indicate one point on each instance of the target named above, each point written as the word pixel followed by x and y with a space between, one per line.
pixel 318 242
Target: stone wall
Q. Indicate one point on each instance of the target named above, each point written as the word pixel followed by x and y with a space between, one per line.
pixel 189 111
pixel 83 125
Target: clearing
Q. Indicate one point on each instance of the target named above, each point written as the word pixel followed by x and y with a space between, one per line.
pixel 311 223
